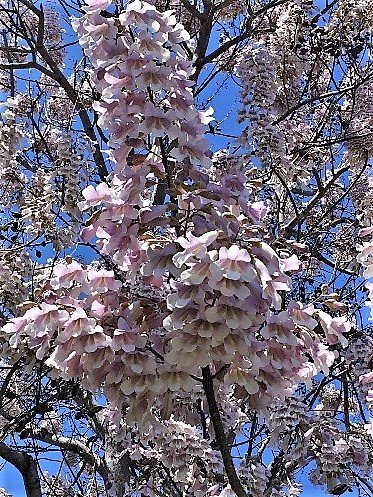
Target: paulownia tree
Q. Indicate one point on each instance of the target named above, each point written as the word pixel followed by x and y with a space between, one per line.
pixel 184 290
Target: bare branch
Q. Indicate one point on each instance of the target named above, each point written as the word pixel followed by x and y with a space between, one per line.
pixel 26 465
pixel 74 446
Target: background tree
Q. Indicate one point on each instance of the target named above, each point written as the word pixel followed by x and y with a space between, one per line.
pixel 182 289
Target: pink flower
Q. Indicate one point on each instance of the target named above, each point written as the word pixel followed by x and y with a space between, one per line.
pixel 178 34
pixel 369 428
pixel 236 264
pixel 96 5
pixel 365 231
pixel 369 399
pixel 292 263
pixel 42 323
pixel 136 62
pixel 95 339
pixel 154 76
pixel 137 13
pixel 281 327
pixel 302 315
pixel 66 361
pixel 65 275
pixel 94 196
pixel 334 328
pixel 257 211
pixel 45 317
pixel 365 257
pixel 196 274
pixel 16 328
pixel 78 324
pixel 153 214
pixel 195 247
pixel 98 309
pixel 230 288
pixel 194 150
pixel 322 357
pixel 102 280
pixel 231 312
pixel 159 260
pixel 366 378
pixel 127 339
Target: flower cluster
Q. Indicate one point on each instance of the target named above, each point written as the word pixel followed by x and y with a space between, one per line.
pixel 360 355
pixel 181 447
pixel 143 75
pixel 334 452
pixel 141 71
pixel 349 24
pixel 270 70
pixel 15 275
pixel 12 140
pixel 195 292
pixel 223 283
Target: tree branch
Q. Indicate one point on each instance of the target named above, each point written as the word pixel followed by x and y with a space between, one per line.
pixel 57 75
pixel 192 9
pixel 74 446
pixel 319 195
pixel 201 61
pixel 26 465
pixel 220 436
